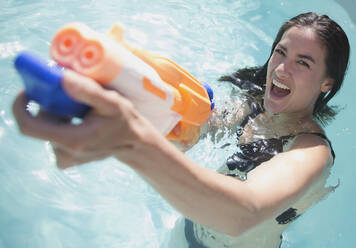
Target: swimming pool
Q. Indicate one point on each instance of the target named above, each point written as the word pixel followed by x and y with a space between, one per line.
pixel 104 204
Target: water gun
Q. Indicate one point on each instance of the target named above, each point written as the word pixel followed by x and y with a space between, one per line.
pixel 162 92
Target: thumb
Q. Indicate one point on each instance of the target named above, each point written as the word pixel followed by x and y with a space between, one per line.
pixel 86 90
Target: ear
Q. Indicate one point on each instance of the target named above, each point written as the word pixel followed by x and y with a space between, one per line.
pixel 327 84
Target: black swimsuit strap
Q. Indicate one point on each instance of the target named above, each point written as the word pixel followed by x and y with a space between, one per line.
pixel 256 110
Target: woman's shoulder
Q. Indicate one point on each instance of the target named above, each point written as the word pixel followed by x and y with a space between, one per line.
pixel 315 145
pixel 314 135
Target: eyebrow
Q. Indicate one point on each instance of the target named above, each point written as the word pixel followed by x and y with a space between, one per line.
pixel 303 56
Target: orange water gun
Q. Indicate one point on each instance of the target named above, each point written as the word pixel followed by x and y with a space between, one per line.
pixel 161 90
pixel 164 93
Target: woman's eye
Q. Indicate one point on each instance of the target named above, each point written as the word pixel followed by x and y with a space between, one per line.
pixel 303 63
pixel 279 51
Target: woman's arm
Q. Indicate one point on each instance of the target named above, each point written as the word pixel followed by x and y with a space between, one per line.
pixel 226 204
pixel 114 128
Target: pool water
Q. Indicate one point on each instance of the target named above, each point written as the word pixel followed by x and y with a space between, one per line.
pixel 105 204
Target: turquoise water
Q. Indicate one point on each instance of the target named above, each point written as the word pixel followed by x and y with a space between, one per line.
pixel 105 204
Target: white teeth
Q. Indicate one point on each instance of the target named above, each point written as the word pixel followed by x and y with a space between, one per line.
pixel 279 85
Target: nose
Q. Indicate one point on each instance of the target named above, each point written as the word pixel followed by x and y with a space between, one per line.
pixel 283 70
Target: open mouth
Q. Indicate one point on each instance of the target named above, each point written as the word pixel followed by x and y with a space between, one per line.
pixel 278 89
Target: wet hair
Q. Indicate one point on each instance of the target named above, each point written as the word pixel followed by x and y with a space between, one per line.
pixel 337 46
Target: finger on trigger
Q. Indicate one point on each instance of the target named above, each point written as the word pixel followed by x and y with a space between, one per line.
pixel 87 91
pixel 41 126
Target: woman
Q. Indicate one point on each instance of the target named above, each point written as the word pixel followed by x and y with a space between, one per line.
pixel 267 183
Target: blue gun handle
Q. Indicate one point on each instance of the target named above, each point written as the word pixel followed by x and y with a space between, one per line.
pixel 43 85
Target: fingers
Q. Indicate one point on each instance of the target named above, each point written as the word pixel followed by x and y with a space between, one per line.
pixel 42 126
pixel 95 139
pixel 86 90
pixel 47 127
pixel 107 129
pixel 177 129
pixel 66 158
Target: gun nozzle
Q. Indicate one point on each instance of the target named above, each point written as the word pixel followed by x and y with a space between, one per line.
pixel 65 45
pixel 90 55
pixel 68 43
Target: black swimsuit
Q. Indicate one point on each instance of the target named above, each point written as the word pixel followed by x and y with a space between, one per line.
pixel 251 155
pixel 248 157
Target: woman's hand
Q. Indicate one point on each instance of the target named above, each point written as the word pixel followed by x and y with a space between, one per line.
pixel 112 128
pixel 190 137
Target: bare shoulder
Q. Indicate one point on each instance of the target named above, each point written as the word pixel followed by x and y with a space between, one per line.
pixel 314 146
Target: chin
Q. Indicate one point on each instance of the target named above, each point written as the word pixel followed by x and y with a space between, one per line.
pixel 272 107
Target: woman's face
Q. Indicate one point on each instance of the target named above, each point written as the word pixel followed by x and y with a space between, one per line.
pixel 296 73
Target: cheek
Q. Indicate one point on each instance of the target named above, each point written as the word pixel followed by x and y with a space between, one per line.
pixel 270 67
pixel 309 81
pixel 272 64
pixel 308 89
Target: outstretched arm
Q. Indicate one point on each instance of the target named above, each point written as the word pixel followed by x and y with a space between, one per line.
pixel 114 128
